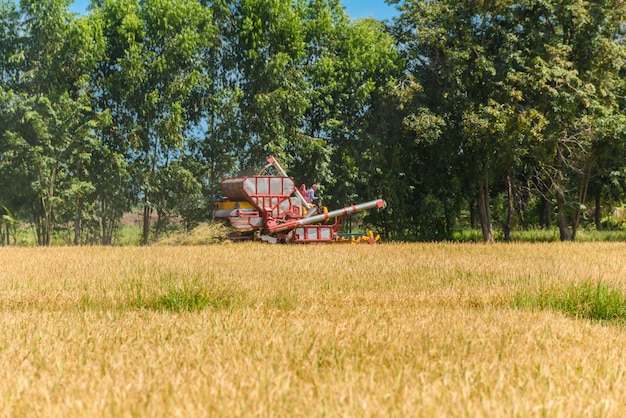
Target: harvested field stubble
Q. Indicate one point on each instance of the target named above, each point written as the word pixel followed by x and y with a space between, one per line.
pixel 253 329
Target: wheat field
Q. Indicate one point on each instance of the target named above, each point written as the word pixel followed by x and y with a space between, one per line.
pixel 290 331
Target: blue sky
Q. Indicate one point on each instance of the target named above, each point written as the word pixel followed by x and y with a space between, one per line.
pixel 369 8
pixel 355 8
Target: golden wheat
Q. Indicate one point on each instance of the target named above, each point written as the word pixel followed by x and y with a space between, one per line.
pixel 252 329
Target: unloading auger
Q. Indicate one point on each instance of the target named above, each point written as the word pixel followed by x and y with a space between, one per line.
pixel 271 208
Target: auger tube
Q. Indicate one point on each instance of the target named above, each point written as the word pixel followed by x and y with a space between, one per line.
pixel 274 227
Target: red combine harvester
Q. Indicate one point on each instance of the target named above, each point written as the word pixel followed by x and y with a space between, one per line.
pixel 271 209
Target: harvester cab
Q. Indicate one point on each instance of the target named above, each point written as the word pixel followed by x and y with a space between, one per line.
pixel 272 209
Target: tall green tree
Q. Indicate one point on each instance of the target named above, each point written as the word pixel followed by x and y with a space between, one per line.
pixel 51 120
pixel 220 137
pixel 152 73
pixel 268 54
pixel 11 52
pixel 44 143
pixel 116 192
pixel 454 50
pixel 10 57
pixel 518 83
pixel 348 62
pixel 571 73
pixel 404 168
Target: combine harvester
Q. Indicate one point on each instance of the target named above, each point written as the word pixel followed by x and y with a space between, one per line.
pixel 271 208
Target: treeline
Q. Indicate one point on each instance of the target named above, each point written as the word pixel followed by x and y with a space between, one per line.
pixel 491 113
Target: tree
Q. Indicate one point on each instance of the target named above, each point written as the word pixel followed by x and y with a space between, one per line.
pixel 50 120
pixel 221 134
pixel 10 38
pixel 43 142
pixel 571 74
pixel 455 50
pixel 349 66
pixel 268 51
pixel 518 83
pixel 151 74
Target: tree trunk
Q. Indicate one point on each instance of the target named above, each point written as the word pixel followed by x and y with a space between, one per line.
pixel 545 213
pixel 48 208
pixel 48 231
pixel 483 210
pixel 107 223
pixel 473 215
pixel 157 227
pixel 562 221
pixel 582 198
pixel 37 222
pixel 548 214
pixel 78 220
pixel 103 224
pixel 146 224
pixel 509 215
pixel 47 213
pixel 597 211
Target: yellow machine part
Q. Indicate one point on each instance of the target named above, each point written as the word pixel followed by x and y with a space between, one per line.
pixel 232 204
pixel 369 237
pixel 305 211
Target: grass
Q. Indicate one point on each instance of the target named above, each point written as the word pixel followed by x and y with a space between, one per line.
pixel 598 302
pixel 212 232
pixel 203 234
pixel 534 235
pixel 288 330
pixel 184 297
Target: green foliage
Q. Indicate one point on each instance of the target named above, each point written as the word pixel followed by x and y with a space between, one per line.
pixel 524 92
pixel 593 301
pixel 182 296
pixel 172 295
pixel 8 226
pixel 189 300
pixel 154 71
